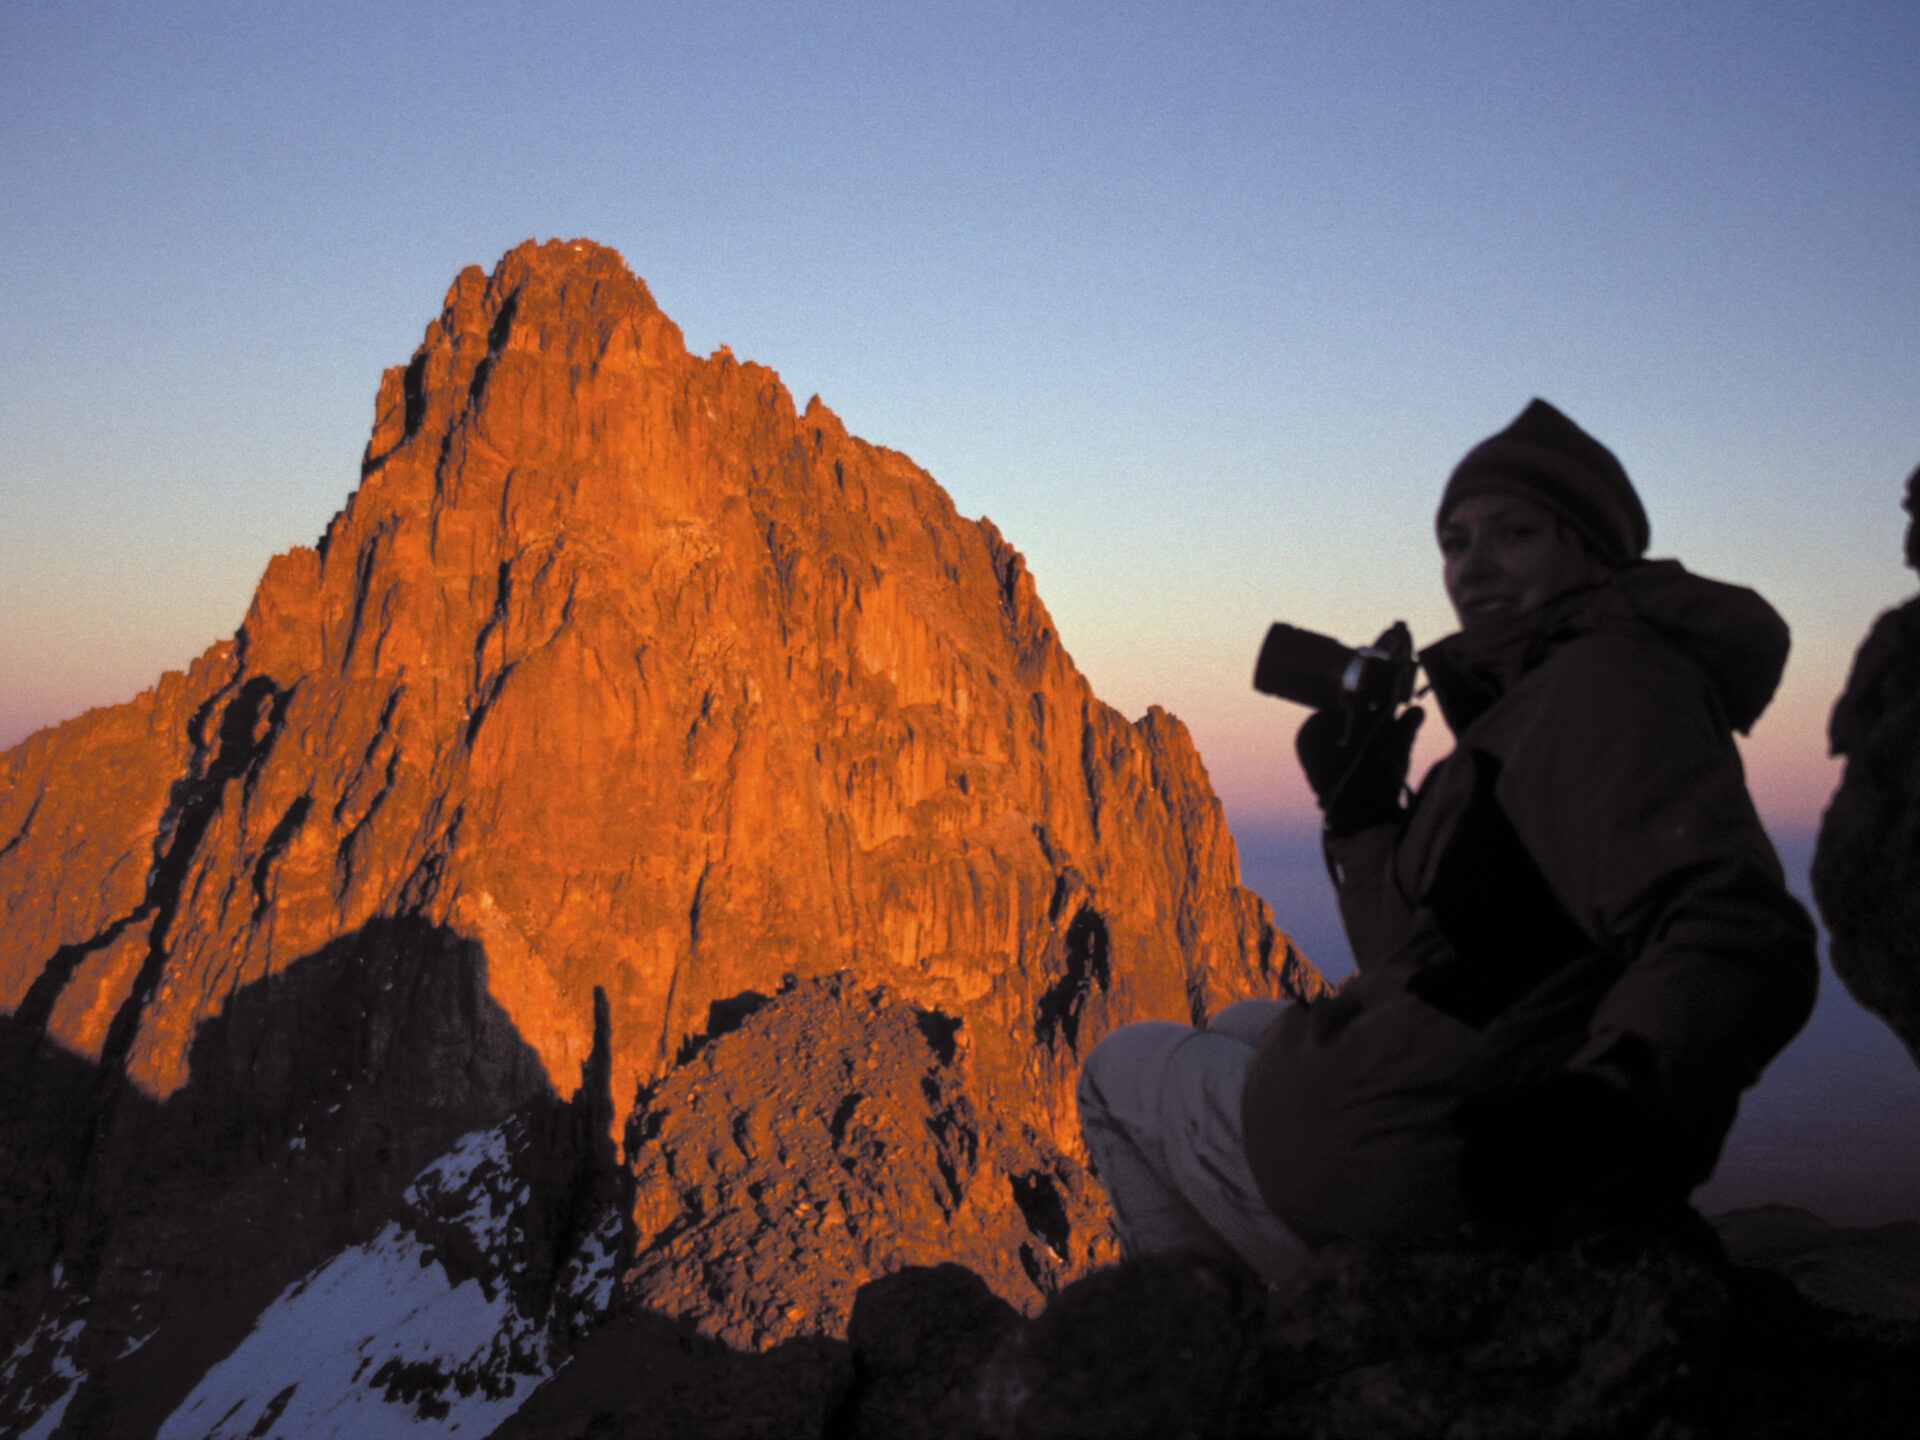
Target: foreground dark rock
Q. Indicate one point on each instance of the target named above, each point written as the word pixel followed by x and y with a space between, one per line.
pixel 1866 870
pixel 1613 1336
pixel 647 1374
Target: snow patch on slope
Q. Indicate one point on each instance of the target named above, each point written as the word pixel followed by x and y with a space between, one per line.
pixel 421 1331
pixel 473 1186
pixel 43 1374
pixel 378 1341
pixel 58 1366
pixel 589 1275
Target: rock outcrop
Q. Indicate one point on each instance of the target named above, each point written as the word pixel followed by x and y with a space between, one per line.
pixel 1866 868
pixel 819 1145
pixel 619 699
pixel 1612 1335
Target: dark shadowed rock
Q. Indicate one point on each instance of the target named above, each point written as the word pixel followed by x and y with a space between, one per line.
pixel 1866 868
pixel 1608 1338
pixel 919 1336
pixel 646 1375
pixel 1152 1348
pixel 1613 1337
pixel 316 1105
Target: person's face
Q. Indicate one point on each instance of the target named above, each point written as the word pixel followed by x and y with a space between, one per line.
pixel 1503 556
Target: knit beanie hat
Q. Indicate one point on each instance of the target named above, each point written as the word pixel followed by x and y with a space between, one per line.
pixel 1546 458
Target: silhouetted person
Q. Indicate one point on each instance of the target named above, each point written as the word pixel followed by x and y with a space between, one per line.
pixel 1575 945
pixel 1912 506
pixel 1886 672
pixel 1866 867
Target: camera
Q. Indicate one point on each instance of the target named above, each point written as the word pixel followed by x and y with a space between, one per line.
pixel 1318 671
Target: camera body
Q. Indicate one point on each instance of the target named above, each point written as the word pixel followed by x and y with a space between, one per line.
pixel 1318 671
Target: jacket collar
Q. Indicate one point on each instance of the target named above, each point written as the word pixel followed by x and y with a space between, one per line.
pixel 1470 671
pixel 1730 632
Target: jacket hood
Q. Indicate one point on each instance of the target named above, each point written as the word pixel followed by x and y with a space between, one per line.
pixel 1729 631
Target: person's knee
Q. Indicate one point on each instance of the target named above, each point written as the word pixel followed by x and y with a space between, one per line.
pixel 1244 1020
pixel 1127 1063
pixel 1086 1090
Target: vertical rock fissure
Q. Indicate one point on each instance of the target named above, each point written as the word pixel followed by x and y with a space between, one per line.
pixel 413 389
pixel 362 585
pixel 243 748
pixel 1090 771
pixel 277 841
pixel 1038 1199
pixel 693 910
pixel 1087 968
pixel 26 825
pixel 502 594
pixel 491 694
pixel 36 1006
pixel 424 881
pixel 344 868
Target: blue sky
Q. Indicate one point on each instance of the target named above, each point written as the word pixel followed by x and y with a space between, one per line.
pixel 1197 303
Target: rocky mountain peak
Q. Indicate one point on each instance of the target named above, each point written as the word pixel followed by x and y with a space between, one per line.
pixel 619 701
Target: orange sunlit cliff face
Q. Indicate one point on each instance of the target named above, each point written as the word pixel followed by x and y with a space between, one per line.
pixel 619 677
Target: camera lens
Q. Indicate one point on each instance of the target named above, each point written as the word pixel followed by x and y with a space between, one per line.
pixel 1302 666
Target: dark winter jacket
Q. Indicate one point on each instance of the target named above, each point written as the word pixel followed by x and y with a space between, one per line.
pixel 1582 888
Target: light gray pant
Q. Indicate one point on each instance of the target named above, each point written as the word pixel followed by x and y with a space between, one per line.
pixel 1160 1109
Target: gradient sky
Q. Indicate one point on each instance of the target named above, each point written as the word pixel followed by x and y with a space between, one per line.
pixel 1199 303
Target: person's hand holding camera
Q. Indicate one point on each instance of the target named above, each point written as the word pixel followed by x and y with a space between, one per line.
pixel 1357 763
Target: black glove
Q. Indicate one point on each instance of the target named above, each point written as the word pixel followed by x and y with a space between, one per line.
pixel 1357 764
pixel 1573 1147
